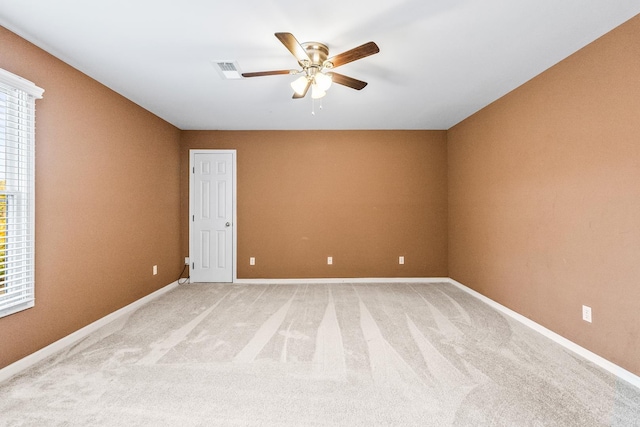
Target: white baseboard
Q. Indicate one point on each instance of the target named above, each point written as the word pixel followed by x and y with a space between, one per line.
pixel 343 280
pixel 53 348
pixel 570 345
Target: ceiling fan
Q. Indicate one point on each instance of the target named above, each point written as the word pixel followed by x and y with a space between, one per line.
pixel 316 66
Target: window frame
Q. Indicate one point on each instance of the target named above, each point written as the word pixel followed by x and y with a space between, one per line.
pixel 17 192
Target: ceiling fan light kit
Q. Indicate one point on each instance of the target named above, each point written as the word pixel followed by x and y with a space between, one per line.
pixel 313 59
pixel 317 93
pixel 323 81
pixel 299 85
pixel 319 81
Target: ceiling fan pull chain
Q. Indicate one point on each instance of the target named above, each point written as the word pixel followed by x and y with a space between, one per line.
pixel 313 107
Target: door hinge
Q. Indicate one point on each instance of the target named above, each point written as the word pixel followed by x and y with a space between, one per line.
pixel 193 265
pixel 193 217
pixel 193 169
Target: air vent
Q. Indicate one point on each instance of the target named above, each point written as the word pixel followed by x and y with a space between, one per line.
pixel 228 69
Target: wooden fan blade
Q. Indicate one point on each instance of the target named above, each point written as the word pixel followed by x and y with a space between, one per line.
pixel 347 81
pixel 290 42
pixel 306 89
pixel 266 73
pixel 359 52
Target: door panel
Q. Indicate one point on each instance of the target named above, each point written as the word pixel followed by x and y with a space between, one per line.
pixel 211 237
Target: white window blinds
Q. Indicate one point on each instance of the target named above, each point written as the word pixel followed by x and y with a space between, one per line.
pixel 17 116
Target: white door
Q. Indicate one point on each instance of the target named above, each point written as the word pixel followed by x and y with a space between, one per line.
pixel 211 231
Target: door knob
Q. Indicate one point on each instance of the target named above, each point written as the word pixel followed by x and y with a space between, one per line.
pixel 228 224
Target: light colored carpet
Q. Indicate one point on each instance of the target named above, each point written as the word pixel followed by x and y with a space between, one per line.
pixel 304 355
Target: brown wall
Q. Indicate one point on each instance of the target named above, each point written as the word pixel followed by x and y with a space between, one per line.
pixel 362 197
pixel 544 198
pixel 107 202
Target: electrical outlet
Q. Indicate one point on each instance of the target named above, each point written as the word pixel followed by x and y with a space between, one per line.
pixel 252 261
pixel 586 313
pixel 329 260
pixel 155 270
pixel 186 260
pixel 401 260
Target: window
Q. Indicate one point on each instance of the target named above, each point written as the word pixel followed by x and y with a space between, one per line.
pixel 17 115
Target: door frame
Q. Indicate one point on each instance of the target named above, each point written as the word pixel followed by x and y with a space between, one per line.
pixel 234 204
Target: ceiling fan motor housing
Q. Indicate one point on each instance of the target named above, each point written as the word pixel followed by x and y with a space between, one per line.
pixel 318 53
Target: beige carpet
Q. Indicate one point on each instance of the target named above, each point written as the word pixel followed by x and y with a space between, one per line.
pixel 304 355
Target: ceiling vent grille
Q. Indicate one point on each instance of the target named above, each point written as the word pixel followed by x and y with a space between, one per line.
pixel 228 70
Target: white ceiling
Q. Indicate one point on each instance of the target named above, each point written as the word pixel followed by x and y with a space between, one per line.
pixel 439 62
